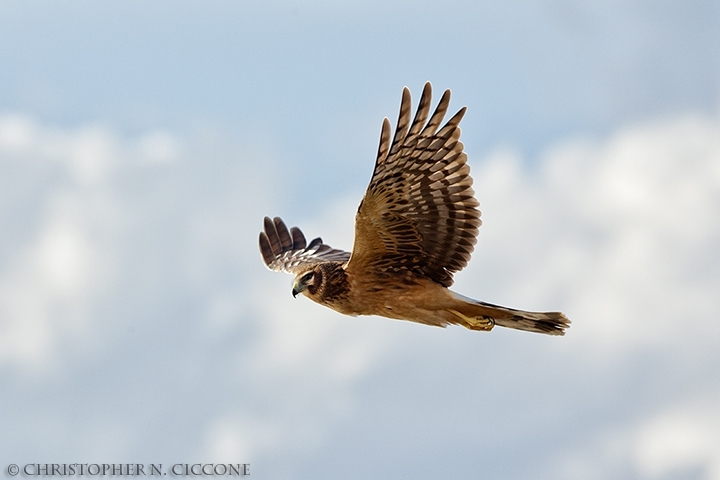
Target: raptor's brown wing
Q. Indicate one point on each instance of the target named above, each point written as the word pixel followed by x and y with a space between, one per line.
pixel 287 251
pixel 418 215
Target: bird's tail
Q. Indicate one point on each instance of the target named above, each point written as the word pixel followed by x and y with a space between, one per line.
pixel 477 315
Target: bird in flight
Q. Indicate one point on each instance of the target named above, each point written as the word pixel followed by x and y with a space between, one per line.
pixel 415 227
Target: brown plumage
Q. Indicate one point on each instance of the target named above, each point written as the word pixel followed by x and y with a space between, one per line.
pixel 416 226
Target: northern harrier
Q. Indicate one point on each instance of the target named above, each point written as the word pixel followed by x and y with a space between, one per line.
pixel 416 226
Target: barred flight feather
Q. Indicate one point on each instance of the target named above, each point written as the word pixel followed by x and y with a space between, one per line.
pixel 415 227
pixel 288 251
pixel 424 180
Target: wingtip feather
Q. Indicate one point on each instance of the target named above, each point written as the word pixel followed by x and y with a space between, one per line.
pixel 266 249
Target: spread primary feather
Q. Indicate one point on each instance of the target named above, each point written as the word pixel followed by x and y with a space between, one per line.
pixel 415 227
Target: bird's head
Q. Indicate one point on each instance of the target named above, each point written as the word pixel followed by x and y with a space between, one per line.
pixel 307 282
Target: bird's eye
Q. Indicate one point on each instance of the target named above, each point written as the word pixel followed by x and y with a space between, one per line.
pixel 306 278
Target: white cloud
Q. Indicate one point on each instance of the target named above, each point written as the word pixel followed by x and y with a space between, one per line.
pixel 616 231
pixel 679 442
pixel 157 235
pixel 54 275
pixel 623 235
pixel 86 234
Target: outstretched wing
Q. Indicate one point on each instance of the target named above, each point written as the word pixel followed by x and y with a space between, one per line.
pixel 419 215
pixel 287 251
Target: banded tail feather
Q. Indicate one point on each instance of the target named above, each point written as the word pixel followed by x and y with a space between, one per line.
pixel 477 315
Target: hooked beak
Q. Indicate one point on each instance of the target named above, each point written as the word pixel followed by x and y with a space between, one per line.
pixel 297 288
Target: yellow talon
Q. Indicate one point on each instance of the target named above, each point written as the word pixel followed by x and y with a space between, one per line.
pixel 482 323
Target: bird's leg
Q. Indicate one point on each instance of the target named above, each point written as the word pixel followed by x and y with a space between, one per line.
pixel 482 323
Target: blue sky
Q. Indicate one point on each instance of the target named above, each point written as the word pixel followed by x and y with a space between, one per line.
pixel 142 143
